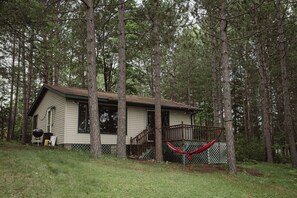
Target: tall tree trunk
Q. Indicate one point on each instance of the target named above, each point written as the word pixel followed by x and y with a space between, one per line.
pixel 227 91
pixel 92 84
pixel 121 136
pixel 82 69
pixel 265 110
pixel 215 80
pixel 2 110
pixel 13 121
pixel 2 117
pixel 27 80
pixel 157 69
pixel 265 88
pixel 247 109
pixel 48 64
pixel 248 123
pixel 105 70
pixel 288 123
pixel 12 73
pixel 30 69
pixel 25 94
pixel 57 63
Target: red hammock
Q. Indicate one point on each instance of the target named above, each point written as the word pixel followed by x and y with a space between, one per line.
pixel 199 150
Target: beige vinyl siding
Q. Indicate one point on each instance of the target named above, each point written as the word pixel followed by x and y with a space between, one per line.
pixel 65 120
pixel 71 126
pixel 58 119
pixel 177 117
pixel 71 131
pixel 137 121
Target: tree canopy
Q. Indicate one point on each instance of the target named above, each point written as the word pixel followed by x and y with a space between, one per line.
pixel 44 42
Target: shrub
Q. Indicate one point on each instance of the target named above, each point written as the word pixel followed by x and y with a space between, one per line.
pixel 249 150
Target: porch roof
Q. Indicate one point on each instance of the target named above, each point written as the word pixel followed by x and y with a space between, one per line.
pixel 79 94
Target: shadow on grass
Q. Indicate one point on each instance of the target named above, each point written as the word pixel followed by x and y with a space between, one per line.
pixel 207 168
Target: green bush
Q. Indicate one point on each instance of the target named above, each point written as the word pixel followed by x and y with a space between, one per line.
pixel 277 158
pixel 249 150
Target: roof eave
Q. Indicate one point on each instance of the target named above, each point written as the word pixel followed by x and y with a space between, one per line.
pixel 38 99
pixel 45 88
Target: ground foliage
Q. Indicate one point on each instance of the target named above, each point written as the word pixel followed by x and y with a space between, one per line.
pixel 55 172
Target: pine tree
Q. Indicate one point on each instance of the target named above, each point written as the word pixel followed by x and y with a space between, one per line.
pixel 121 133
pixel 92 83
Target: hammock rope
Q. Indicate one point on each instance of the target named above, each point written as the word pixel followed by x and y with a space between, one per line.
pixel 199 150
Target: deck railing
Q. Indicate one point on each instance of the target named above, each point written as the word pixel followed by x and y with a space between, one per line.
pixel 182 132
pixel 141 142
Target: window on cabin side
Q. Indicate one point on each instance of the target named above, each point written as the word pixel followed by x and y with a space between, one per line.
pixel 83 118
pixel 35 120
pixel 108 119
pixel 49 120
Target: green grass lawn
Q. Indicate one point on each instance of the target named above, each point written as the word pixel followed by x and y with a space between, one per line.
pixel 27 171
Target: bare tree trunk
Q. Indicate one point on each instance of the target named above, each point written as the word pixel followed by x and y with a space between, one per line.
pixel 288 123
pixel 82 70
pixel 25 95
pixel 216 96
pixel 107 69
pixel 13 120
pixel 57 63
pixel 49 65
pixel 227 91
pixel 2 117
pixel 265 88
pixel 27 80
pixel 248 99
pixel 12 73
pixel 247 110
pixel 121 136
pixel 157 69
pixel 92 84
pixel 30 69
pixel 105 73
pixel 150 77
pixel 265 112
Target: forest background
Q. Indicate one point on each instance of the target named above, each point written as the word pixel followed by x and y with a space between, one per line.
pixel 45 42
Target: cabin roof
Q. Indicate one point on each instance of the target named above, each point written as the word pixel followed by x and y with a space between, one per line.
pixel 79 94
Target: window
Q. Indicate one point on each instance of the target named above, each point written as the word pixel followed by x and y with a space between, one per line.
pixel 49 120
pixel 108 119
pixel 83 118
pixel 35 120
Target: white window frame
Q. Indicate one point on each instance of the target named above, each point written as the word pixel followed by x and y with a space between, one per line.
pixel 49 120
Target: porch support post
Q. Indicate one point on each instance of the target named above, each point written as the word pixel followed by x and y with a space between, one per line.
pixel 130 146
pixel 182 127
pixel 184 149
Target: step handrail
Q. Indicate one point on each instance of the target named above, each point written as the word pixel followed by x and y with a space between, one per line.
pixel 140 143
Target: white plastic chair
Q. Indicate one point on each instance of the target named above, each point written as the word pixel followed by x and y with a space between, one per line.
pixel 53 140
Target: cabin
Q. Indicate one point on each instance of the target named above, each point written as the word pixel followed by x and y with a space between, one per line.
pixel 62 112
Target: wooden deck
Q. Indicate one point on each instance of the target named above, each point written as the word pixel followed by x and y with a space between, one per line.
pixel 184 132
pixel 175 133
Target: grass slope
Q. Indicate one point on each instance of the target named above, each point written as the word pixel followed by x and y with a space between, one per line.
pixel 27 171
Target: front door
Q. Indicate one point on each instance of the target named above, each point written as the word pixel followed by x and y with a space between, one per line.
pixel 151 123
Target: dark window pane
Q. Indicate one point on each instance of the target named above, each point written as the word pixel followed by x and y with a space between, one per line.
pixel 83 118
pixel 108 118
pixel 35 119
